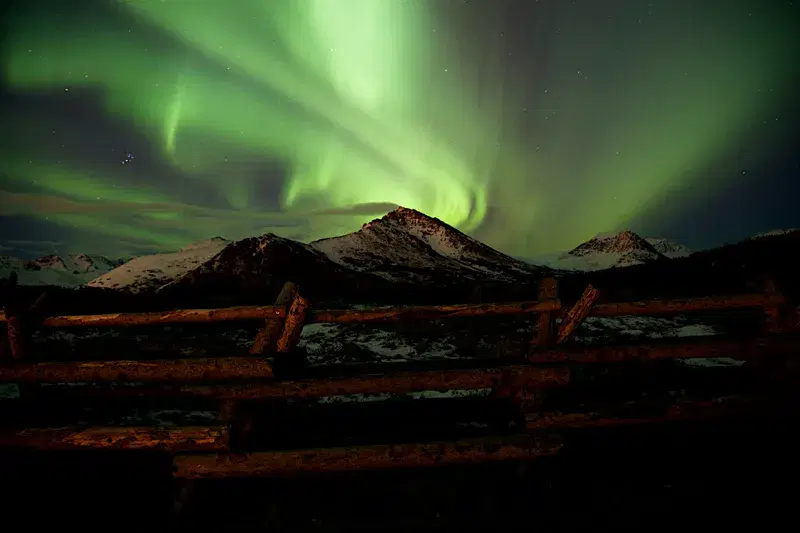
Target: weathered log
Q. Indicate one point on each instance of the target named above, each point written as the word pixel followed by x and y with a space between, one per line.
pixel 227 410
pixel 267 338
pixel 293 326
pixel 702 348
pixel 723 407
pixel 278 463
pixel 167 370
pixel 577 313
pixel 237 420
pixel 512 377
pixel 178 316
pixel 341 316
pixel 37 305
pixel 12 310
pixel 398 382
pixel 546 321
pixel 19 324
pixel 431 312
pixel 774 314
pixel 17 340
pixel 684 305
pixel 653 307
pixel 128 438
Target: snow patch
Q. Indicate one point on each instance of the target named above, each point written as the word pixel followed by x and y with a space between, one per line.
pixel 152 271
pixel 336 343
pixel 63 271
pixel 357 398
pixel 774 233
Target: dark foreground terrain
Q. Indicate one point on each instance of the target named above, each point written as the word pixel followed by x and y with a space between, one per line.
pixel 676 477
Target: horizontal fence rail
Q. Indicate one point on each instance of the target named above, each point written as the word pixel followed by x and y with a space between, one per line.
pixel 173 439
pixel 364 457
pixel 396 382
pixel 710 347
pixel 334 316
pixel 403 313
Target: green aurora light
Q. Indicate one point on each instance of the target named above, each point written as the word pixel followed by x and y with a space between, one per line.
pixel 365 105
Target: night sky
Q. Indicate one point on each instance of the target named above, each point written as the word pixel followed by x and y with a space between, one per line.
pixel 144 125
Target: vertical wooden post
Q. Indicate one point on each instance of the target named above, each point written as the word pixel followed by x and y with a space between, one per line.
pixel 238 420
pixel 267 338
pixel 546 321
pixel 293 327
pixel 774 315
pixel 17 340
pixel 771 365
pixel 524 399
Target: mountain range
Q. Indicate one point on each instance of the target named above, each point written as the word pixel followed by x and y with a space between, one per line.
pixel 405 252
pixel 66 271
pixel 398 255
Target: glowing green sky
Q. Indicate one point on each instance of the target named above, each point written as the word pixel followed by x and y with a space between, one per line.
pixel 532 129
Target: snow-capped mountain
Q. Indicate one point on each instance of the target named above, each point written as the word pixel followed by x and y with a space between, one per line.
pixel 260 265
pixel 408 246
pixel 150 272
pixel 668 248
pixel 613 251
pixel 65 271
pixel 387 258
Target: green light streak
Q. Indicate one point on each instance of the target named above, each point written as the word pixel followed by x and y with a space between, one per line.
pixel 368 105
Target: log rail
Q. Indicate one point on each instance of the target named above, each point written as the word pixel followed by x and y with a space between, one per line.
pixel 390 314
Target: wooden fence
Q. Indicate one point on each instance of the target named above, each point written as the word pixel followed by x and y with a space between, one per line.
pixel 217 450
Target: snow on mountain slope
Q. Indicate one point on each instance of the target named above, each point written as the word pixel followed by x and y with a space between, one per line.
pixel 406 245
pixel 612 251
pixel 254 267
pixel 152 271
pixel 774 233
pixel 668 248
pixel 65 271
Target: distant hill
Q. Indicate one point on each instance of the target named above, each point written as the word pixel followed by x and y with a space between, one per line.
pixel 62 271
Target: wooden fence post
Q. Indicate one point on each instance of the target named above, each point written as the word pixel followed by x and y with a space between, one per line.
pixel 525 399
pixel 238 421
pixel 546 322
pixel 577 314
pixel 293 326
pixel 774 315
pixel 267 338
pixel 12 307
pixel 776 322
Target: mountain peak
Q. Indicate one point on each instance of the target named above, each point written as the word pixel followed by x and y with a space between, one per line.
pixel 214 242
pixel 669 248
pixel 407 245
pixel 607 251
pixel 621 243
pixel 405 216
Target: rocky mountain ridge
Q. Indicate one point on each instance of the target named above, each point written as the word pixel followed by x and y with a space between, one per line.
pixel 408 246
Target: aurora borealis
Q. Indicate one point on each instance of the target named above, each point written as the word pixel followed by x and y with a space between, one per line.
pixel 138 125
